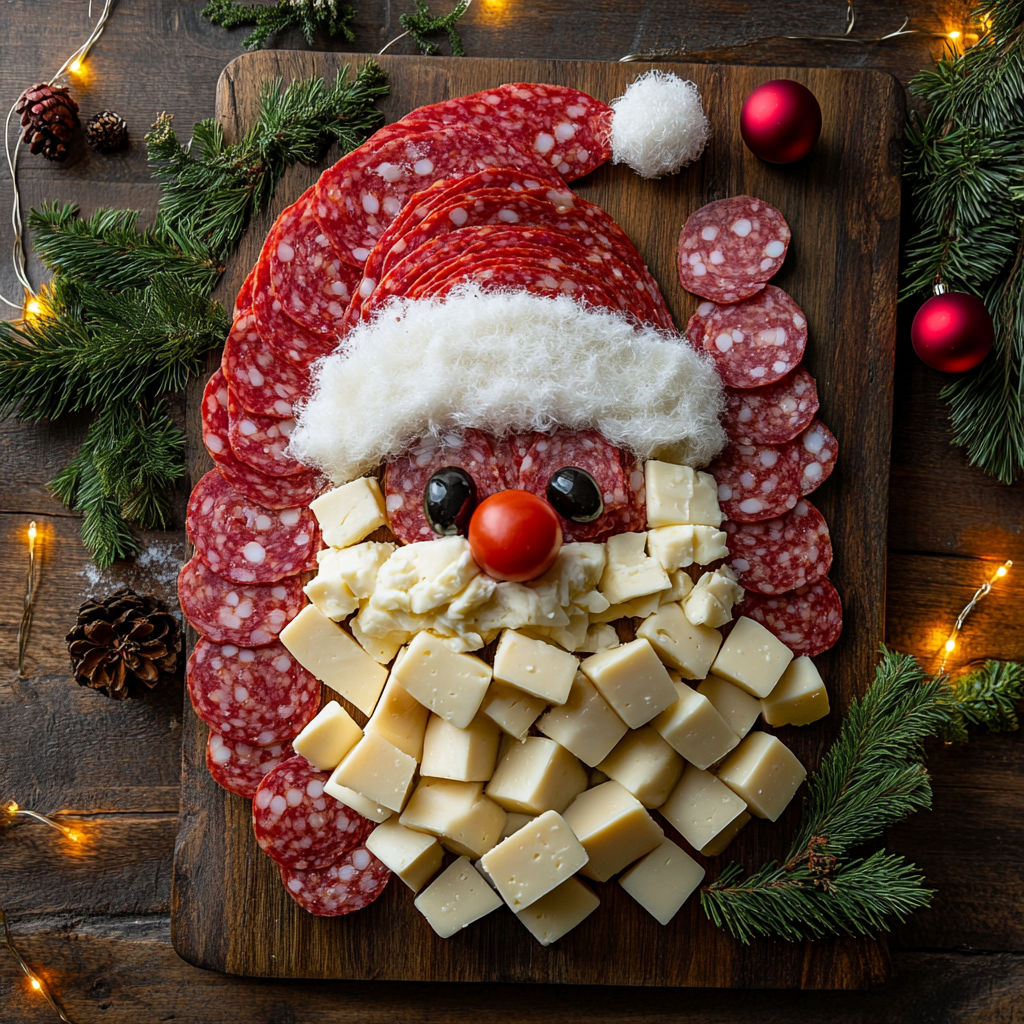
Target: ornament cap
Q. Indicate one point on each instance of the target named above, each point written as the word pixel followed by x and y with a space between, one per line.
pixel 939 288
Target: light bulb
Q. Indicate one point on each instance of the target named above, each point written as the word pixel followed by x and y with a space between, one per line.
pixel 950 645
pixel 76 65
pixel 12 808
pixel 32 531
pixel 34 307
pixel 35 984
pixel 954 34
pixel 1001 571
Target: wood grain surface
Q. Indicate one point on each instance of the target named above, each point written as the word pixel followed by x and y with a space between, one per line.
pixel 95 919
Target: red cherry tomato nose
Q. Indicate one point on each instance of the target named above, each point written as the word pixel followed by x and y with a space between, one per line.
pixel 514 535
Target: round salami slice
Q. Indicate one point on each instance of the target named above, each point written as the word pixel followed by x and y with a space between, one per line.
pixel 214 415
pixel 257 695
pixel 772 414
pixel 245 542
pixel 778 555
pixel 243 300
pixel 755 482
pixel 298 824
pixel 510 452
pixel 260 441
pixel 807 620
pixel 263 383
pixel 240 767
pixel 276 492
pixel 405 478
pixel 814 454
pixel 352 883
pixel 634 470
pixel 250 616
pixel 757 341
pixel 730 248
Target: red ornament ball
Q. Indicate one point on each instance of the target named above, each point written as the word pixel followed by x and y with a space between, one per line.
pixel 780 121
pixel 952 332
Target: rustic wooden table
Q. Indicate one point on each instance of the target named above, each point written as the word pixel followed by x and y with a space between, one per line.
pixel 96 921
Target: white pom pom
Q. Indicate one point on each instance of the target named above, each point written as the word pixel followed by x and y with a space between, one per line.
pixel 659 125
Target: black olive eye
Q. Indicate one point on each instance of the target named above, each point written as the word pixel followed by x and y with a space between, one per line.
pixel 449 500
pixel 573 493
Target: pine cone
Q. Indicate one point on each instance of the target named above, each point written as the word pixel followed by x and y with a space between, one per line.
pixel 49 115
pixel 107 132
pixel 124 645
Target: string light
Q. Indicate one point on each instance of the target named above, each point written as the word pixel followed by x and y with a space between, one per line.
pixel 983 591
pixel 30 599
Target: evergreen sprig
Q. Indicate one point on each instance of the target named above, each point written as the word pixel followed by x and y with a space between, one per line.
pixel 422 25
pixel 312 16
pixel 985 697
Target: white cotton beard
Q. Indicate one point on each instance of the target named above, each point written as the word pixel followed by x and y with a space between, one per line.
pixel 500 362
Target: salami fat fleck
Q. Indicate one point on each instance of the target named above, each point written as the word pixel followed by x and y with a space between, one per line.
pixel 730 248
pixel 352 883
pixel 772 414
pixel 240 767
pixel 256 695
pixel 263 383
pixel 298 824
pixel 778 555
pixel 260 441
pixel 250 616
pixel 814 454
pixel 807 620
pixel 245 542
pixel 755 482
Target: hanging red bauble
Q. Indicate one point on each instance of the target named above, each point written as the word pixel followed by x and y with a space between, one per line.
pixel 952 332
pixel 780 121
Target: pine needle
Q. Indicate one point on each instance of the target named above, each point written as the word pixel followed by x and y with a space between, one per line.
pixel 312 16
pixel 422 25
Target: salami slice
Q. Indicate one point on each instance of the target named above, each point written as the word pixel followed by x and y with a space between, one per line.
pixel 276 492
pixel 260 441
pixel 772 414
pixel 243 300
pixel 250 616
pixel 757 341
pixel 634 471
pixel 814 454
pixel 352 883
pixel 510 452
pixel 298 824
pixel 214 415
pixel 730 248
pixel 255 695
pixel 755 482
pixel 245 542
pixel 807 620
pixel 240 767
pixel 263 383
pixel 779 555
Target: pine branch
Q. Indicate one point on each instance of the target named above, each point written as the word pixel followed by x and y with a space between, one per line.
pixel 422 25
pixel 312 16
pixel 987 697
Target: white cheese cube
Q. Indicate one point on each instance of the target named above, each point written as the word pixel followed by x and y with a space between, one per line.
pixel 633 681
pixel 688 648
pixel 511 710
pixel 359 803
pixel 752 658
pixel 345 576
pixel 678 495
pixel 328 737
pixel 663 880
pixel 414 856
pixel 468 755
pixel 614 828
pixel 710 601
pixel 576 571
pixel 349 513
pixel 451 685
pixel 585 724
pixel 739 709
pixel 559 911
pixel 721 842
pixel 694 728
pixel 702 807
pixel 400 718
pixel 420 578
pixel 765 773
pixel 534 860
pixel 328 591
pixel 681 586
pixel 378 770
pixel 514 822
pixel 381 648
pixel 329 653
pixel 535 776
pixel 537 668
pixel 630 572
pixel 456 898
pixel 799 697
pixel 467 822
pixel 676 547
pixel 645 765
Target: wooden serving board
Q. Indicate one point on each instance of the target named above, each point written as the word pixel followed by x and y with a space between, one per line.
pixel 229 909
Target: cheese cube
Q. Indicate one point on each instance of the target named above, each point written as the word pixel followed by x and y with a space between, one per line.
pixel 678 495
pixel 534 860
pixel 537 668
pixel 663 880
pixel 585 725
pixel 466 821
pixel 400 718
pixel 736 706
pixel 323 648
pixel 350 798
pixel 456 898
pixel 349 513
pixel 511 710
pixel 681 586
pixel 378 770
pixel 702 807
pixel 514 822
pixel 638 608
pixel 688 648
pixel 644 764
pixel 381 648
pixel 694 728
pixel 413 856
pixel 711 600
pixel 721 842
pixel 558 912
pixel 468 755
pixel 345 576
pixel 328 737
pixel 765 773
pixel 328 592
pixel 535 776
pixel 676 547
pixel 613 827
pixel 426 575
pixel 630 572
pixel 633 681
pixel 451 685
pixel 752 658
pixel 799 697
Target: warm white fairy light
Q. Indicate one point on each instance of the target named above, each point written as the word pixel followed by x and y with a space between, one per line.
pixel 983 591
pixel 30 598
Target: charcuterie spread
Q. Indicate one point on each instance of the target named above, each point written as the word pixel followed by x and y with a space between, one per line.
pixel 547 554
